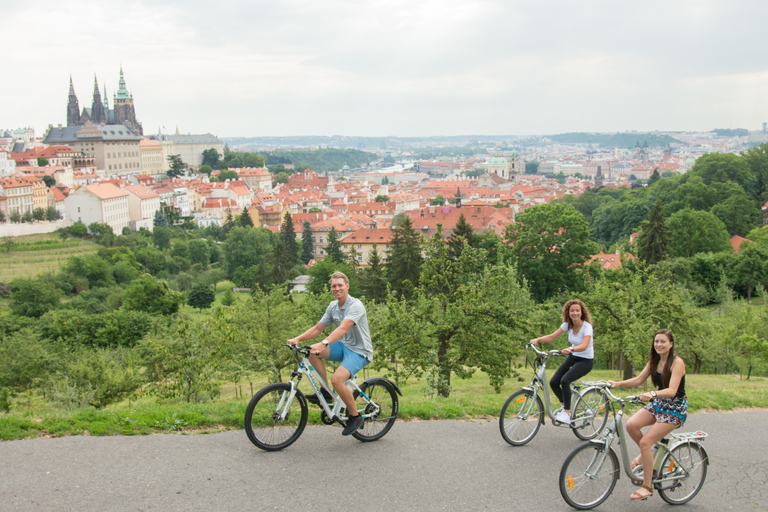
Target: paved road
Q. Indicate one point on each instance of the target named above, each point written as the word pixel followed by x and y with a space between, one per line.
pixel 424 466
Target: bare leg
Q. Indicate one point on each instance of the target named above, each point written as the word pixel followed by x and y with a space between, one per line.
pixel 318 363
pixel 656 432
pixel 338 379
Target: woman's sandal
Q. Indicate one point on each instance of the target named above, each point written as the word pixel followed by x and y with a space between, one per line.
pixel 640 495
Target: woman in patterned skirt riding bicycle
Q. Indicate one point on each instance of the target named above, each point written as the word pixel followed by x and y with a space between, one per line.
pixel 667 408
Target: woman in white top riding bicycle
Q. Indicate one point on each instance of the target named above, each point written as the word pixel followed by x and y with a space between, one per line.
pixel 577 322
pixel 667 410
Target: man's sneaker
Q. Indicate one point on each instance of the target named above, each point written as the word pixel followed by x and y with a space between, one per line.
pixel 314 400
pixel 563 417
pixel 353 423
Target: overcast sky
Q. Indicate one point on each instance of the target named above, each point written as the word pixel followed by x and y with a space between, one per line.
pixel 392 67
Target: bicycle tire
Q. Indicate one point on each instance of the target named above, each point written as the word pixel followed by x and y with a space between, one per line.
pixel 691 458
pixel 584 489
pixel 589 414
pixel 382 408
pixel 520 419
pixel 263 427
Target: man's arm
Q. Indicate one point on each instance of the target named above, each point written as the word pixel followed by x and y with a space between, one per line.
pixel 310 334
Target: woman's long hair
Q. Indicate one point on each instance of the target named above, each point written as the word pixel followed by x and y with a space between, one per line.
pixel 585 316
pixel 654 357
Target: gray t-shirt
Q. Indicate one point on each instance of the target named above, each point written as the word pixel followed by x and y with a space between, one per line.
pixel 358 337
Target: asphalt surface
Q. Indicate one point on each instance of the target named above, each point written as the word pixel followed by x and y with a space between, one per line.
pixel 424 466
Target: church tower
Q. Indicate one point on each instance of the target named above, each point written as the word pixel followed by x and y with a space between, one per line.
pixel 124 109
pixel 73 107
pixel 98 114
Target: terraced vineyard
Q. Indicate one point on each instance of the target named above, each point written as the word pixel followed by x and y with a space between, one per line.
pixel 29 256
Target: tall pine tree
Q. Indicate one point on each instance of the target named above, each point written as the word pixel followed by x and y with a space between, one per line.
pixel 374 283
pixel 288 236
pixel 405 259
pixel 653 243
pixel 307 248
pixel 462 231
pixel 333 249
pixel 245 219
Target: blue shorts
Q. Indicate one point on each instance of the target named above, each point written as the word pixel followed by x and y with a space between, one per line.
pixel 352 361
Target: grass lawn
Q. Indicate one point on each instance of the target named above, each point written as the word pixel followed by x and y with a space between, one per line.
pixel 471 399
pixel 33 255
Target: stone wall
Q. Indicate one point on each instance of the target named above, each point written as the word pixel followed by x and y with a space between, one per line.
pixel 9 229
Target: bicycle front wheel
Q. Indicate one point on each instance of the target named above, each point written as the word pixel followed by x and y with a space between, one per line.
pixel 588 476
pixel 379 411
pixel 271 421
pixel 521 417
pixel 589 414
pixel 682 473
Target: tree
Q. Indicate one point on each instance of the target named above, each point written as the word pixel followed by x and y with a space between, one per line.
pixel 385 181
pixel 722 167
pixel 201 296
pixel 152 296
pixel 288 236
pixel 462 231
pixel 38 214
pixel 438 200
pixel 160 219
pixel 697 231
pixel 205 169
pixel 49 181
pixel 15 217
pixel 42 161
pixel 161 237
pixel 739 214
pixel 281 263
pixel 352 258
pixel 33 297
pixel 550 244
pixel 51 214
pixel 192 358
pixel 628 307
pixel 102 233
pixel 751 268
pixel 2 216
pixel 199 252
pixel 227 175
pixel 653 241
pixel 333 249
pixel 381 198
pixel 245 248
pixel 404 259
pixel 245 219
pixel 211 158
pixel 176 166
pixel 307 247
pixel 654 177
pixel 532 167
pixel 373 280
pixel 457 321
pixel 229 221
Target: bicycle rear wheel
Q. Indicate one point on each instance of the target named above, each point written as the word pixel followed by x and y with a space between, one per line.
pixel 589 414
pixel 686 458
pixel 263 423
pixel 588 476
pixel 380 411
pixel 521 417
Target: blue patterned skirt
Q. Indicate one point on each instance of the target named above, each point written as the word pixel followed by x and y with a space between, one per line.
pixel 669 410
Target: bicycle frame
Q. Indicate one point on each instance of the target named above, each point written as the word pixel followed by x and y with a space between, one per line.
pixel 333 413
pixel 540 382
pixel 660 449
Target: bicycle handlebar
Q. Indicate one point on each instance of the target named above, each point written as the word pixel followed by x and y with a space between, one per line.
pixel 541 352
pixel 631 399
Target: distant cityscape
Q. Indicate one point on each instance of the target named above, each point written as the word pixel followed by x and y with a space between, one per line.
pixel 100 166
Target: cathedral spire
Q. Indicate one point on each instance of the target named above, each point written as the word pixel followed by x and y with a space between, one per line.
pixel 73 107
pixel 98 113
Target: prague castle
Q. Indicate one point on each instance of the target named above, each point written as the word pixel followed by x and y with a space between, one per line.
pixel 99 113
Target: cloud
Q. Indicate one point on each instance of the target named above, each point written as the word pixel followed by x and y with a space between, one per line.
pixel 394 67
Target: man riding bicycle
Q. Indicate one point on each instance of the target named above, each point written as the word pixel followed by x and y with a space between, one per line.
pixel 354 351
